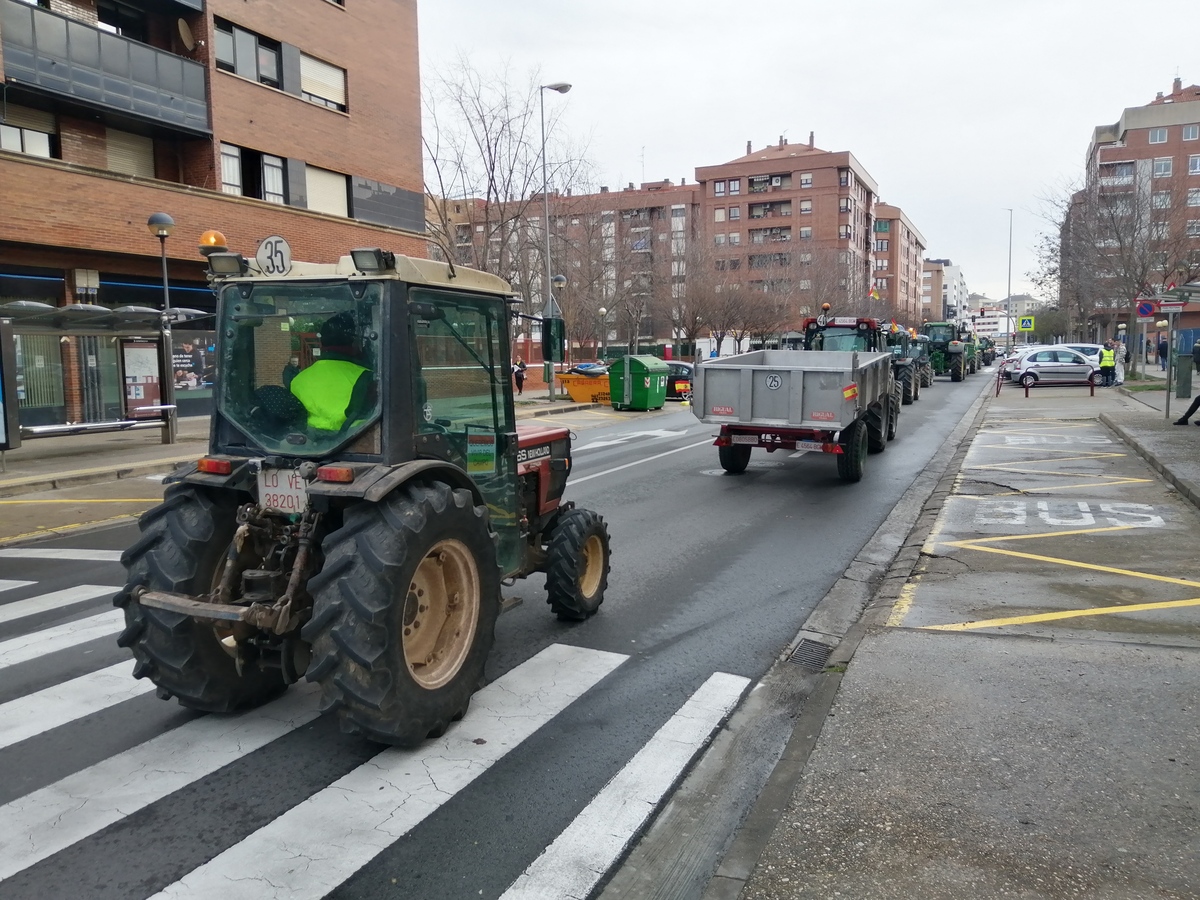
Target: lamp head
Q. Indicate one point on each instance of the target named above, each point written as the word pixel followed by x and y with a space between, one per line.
pixel 561 86
pixel 160 225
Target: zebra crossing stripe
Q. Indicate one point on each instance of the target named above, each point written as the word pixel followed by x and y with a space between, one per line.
pixel 61 553
pixel 318 844
pixel 69 634
pixel 7 585
pixel 48 820
pixel 54 600
pixel 36 713
pixel 578 858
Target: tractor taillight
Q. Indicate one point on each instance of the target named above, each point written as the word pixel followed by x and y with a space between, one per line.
pixel 211 466
pixel 339 474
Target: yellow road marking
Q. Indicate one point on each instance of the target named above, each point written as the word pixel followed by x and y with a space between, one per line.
pixel 1065 614
pixel 903 603
pixel 81 500
pixel 64 529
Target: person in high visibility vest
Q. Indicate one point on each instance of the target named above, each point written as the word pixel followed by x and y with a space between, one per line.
pixel 336 387
pixel 1108 365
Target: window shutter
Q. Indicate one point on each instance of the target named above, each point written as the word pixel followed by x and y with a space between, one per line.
pixel 130 154
pixel 33 119
pixel 327 191
pixel 322 80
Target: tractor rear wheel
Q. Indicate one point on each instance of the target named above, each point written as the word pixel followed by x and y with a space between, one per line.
pixel 893 417
pixel 181 549
pixel 876 420
pixel 956 368
pixel 916 386
pixel 852 461
pixel 404 613
pixel 908 387
pixel 577 565
pixel 734 458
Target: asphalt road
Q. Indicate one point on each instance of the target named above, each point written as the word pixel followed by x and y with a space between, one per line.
pixel 110 792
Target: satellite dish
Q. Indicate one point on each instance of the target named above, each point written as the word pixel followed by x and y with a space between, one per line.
pixel 185 35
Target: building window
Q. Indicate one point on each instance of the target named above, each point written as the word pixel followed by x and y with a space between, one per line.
pixel 1191 132
pixel 249 173
pixel 28 131
pixel 118 18
pixel 881 264
pixel 677 212
pixel 246 53
pixel 1158 200
pixel 805 232
pixel 735 186
pixel 735 238
pixel 231 169
pixel 719 214
pixel 1193 197
pixel 882 246
pixel 805 179
pixel 1158 135
pixel 882 226
pixel 1194 165
pixel 844 177
pixel 718 239
pixel 322 83
pixel 1193 228
pixel 718 188
pixel 805 207
pixel 1162 167
pixel 735 212
pixel 845 204
pixel 844 232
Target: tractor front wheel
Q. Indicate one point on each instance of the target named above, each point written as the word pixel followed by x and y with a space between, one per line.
pixel 577 565
pixel 877 420
pixel 404 613
pixel 182 546
pixel 909 387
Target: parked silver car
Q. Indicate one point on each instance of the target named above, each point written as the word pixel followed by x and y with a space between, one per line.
pixel 1050 365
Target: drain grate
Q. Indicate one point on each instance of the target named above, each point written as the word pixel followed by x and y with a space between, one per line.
pixel 810 655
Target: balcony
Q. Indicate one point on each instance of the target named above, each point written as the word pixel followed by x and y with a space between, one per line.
pixel 76 61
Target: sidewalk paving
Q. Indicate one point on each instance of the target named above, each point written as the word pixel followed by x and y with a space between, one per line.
pixel 1047 760
pixel 49 463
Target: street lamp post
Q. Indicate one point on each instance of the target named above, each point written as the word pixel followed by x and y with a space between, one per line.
pixel 560 87
pixel 161 225
pixel 1008 296
pixel 603 334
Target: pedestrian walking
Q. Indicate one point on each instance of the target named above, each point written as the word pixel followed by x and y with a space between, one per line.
pixel 518 373
pixel 1162 354
pixel 1196 355
pixel 1108 365
pixel 1122 361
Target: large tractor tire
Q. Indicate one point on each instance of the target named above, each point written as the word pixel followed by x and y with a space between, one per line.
pixel 908 387
pixel 181 550
pixel 894 417
pixel 577 565
pixel 916 383
pixel 956 368
pixel 404 613
pixel 927 377
pixel 852 461
pixel 972 366
pixel 734 458
pixel 877 420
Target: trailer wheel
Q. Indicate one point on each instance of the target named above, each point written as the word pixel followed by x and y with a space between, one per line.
pixel 956 368
pixel 909 389
pixel 876 419
pixel 183 542
pixel 852 461
pixel 734 458
pixel 577 565
pixel 404 613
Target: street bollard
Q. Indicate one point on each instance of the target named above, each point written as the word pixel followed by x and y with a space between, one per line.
pixel 1183 375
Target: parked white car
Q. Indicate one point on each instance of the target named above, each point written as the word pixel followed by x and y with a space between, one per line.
pixel 1058 364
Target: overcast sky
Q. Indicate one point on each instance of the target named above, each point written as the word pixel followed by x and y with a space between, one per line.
pixel 959 109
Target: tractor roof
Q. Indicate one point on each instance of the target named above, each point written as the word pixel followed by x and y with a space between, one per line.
pixel 406 268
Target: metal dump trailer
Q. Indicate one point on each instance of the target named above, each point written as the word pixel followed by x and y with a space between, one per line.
pixel 839 402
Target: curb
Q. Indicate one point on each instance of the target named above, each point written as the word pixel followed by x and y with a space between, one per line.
pixel 1188 489
pixel 555 411
pixel 33 484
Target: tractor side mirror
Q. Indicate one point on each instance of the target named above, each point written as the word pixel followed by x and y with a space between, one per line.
pixel 554 332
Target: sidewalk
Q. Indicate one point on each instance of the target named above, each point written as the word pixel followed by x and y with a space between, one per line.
pixel 49 463
pixel 1016 722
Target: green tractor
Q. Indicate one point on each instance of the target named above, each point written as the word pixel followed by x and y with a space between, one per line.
pixel 906 367
pixel 366 492
pixel 952 350
pixel 987 350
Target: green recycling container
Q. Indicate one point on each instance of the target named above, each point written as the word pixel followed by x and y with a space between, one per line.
pixel 638 382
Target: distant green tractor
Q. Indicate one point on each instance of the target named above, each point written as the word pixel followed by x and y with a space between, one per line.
pixel 952 350
pixel 987 350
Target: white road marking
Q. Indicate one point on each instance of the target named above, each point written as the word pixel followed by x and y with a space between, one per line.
pixel 628 436
pixel 638 462
pixel 48 640
pixel 54 600
pixel 41 824
pixel 578 858
pixel 315 846
pixel 55 553
pixel 6 585
pixel 39 712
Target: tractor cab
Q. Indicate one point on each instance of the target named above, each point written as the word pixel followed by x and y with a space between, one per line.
pixel 843 333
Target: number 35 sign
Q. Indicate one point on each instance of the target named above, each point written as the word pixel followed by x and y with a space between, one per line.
pixel 274 256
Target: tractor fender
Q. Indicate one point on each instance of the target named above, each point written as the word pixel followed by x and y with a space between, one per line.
pixel 955 347
pixel 379 481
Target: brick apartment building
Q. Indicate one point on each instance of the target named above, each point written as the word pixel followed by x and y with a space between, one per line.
pixel 898 252
pixel 1143 184
pixel 291 117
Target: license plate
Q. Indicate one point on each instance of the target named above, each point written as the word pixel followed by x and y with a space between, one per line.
pixel 744 439
pixel 282 490
pixel 809 445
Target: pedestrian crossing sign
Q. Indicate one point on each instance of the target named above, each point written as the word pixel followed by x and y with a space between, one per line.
pixel 1026 324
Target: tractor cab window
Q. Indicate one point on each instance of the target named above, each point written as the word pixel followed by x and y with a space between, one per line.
pixel 941 333
pixel 300 369
pixel 838 339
